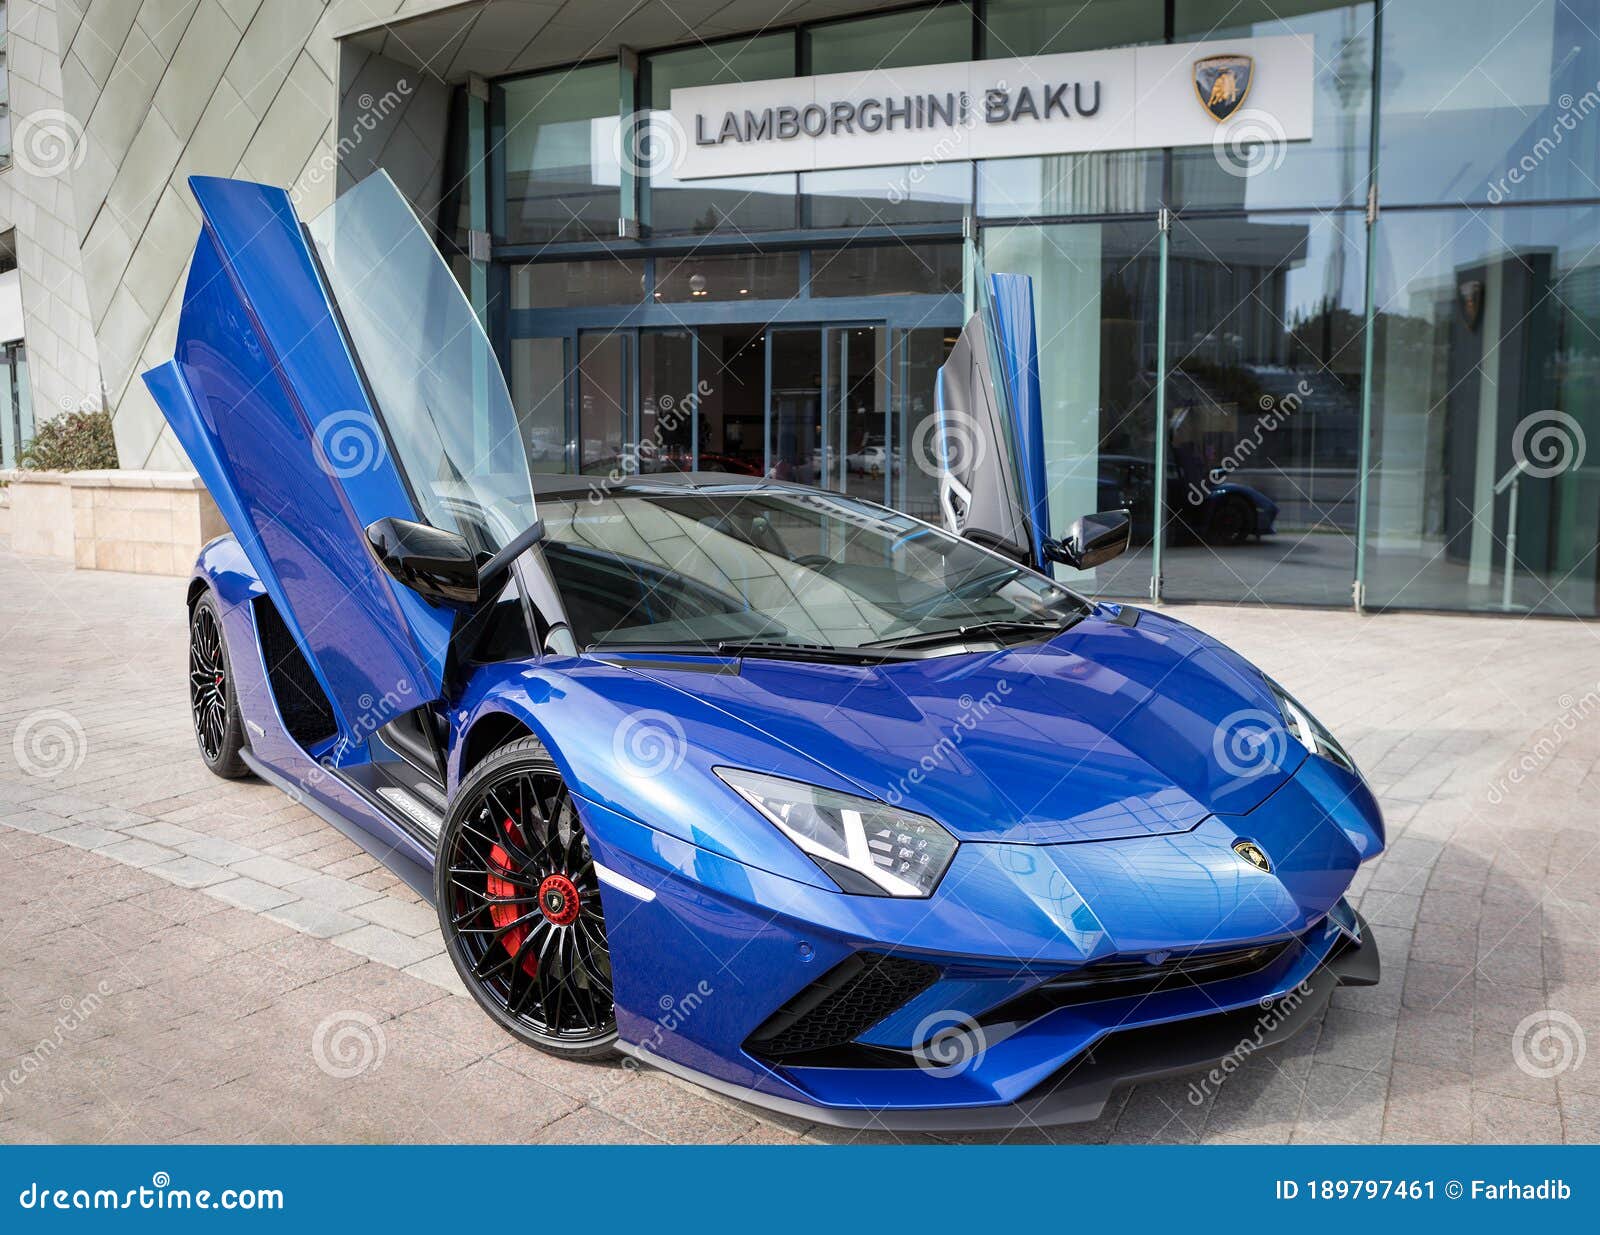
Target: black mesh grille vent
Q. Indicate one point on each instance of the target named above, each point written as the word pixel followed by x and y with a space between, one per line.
pixel 838 1007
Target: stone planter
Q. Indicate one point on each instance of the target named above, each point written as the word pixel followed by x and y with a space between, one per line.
pixel 151 523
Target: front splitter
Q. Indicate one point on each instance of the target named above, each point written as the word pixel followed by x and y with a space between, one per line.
pixel 1079 1090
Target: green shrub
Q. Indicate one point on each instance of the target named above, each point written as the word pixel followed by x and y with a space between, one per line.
pixel 75 442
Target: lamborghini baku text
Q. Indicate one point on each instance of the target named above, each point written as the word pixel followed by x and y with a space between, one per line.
pixel 818 804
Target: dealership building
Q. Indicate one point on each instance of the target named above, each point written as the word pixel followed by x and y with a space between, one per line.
pixel 1317 284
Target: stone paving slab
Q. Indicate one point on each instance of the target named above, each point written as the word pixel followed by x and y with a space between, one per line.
pixel 183 958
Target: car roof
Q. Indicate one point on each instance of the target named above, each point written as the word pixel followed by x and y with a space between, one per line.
pixel 555 486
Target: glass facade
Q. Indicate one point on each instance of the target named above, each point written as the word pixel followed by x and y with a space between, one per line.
pixel 877 196
pixel 1489 103
pixel 887 269
pixel 740 203
pixel 1263 402
pixel 16 403
pixel 1332 168
pixel 1486 369
pixel 1103 182
pixel 16 398
pixel 733 276
pixel 1356 365
pixel 558 146
pixel 1096 296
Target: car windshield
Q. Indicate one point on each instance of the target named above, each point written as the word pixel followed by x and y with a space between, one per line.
pixel 721 569
pixel 434 378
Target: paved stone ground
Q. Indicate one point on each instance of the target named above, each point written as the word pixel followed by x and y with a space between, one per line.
pixel 183 958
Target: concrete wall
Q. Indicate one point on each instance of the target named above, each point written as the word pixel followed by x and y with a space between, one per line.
pixel 115 103
pixel 36 198
pixel 168 89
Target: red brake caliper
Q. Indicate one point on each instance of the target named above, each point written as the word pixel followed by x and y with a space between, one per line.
pixel 503 915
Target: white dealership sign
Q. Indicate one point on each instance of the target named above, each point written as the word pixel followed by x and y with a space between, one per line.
pixel 1126 99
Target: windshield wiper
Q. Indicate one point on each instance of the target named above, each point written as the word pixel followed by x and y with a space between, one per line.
pixel 768 649
pixel 774 649
pixel 997 629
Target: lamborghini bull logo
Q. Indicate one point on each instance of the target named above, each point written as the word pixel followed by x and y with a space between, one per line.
pixel 1253 854
pixel 1221 82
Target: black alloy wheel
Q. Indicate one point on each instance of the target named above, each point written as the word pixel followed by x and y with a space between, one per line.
pixel 519 905
pixel 213 706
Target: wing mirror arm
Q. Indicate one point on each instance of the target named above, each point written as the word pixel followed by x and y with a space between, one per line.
pixel 493 570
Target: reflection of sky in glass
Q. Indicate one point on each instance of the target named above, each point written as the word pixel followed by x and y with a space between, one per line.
pixel 1467 54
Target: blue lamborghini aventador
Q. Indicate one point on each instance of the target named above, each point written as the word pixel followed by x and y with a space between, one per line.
pixel 813 802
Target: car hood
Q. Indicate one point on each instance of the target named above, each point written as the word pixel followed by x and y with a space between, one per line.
pixel 1107 731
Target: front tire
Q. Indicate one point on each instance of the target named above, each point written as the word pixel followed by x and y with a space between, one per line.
pixel 213 706
pixel 519 905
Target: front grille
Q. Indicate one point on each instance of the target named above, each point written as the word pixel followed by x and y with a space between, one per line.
pixel 841 1005
pixel 1118 977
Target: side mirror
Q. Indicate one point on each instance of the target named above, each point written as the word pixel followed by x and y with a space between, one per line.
pixel 437 565
pixel 1093 539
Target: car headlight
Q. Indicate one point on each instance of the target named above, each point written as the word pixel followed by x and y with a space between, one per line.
pixel 1308 730
pixel 863 845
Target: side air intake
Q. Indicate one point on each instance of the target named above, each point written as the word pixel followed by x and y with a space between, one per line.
pixel 306 712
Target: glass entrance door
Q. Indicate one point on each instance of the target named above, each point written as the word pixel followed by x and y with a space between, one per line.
pixel 858 411
pixel 604 401
pixel 799 445
pixel 667 400
pixel 541 379
pixel 731 381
